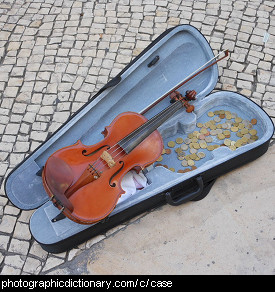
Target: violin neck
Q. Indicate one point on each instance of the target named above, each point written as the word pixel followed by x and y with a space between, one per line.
pixel 136 137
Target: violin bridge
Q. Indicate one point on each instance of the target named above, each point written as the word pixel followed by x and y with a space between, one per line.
pixel 108 159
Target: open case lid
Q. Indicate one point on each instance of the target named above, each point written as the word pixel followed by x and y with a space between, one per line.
pixel 178 51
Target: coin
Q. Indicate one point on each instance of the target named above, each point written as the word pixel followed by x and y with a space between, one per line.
pixel 172 169
pixel 221 136
pixel 171 144
pixel 178 150
pixel 210 114
pixel 181 171
pixel 203 144
pixel 208 139
pixel 227 142
pixel 168 151
pixel 199 125
pixel 190 162
pixel 213 133
pixel 160 159
pixel 210 147
pixel 184 147
pixel 217 119
pixel 203 131
pixel 179 140
pixel 253 121
pixel 241 126
pixel 201 154
pixel 187 141
pixel 234 129
pixel 202 137
pixel 196 145
pixel 238 119
pixel 238 143
pixel 163 151
pixel 193 150
pixel 254 137
pixel 253 132
pixel 184 163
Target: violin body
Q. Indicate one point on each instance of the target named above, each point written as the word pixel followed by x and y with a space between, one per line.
pixel 85 181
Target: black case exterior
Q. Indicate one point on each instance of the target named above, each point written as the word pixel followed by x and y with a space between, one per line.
pixel 193 189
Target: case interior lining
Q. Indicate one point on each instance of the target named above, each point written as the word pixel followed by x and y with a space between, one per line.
pixel 162 178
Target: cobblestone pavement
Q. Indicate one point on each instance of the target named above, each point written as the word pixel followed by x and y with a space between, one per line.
pixel 56 54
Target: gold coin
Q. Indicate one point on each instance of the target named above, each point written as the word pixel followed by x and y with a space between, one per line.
pixel 196 145
pixel 171 144
pixel 172 169
pixel 163 151
pixel 210 114
pixel 253 121
pixel 221 136
pixel 254 137
pixel 238 119
pixel 203 144
pixel 238 143
pixel 226 133
pixel 201 154
pixel 244 139
pixel 203 131
pixel 184 147
pixel 241 126
pixel 160 159
pixel 232 147
pixel 192 156
pixel 190 162
pixel 253 132
pixel 184 163
pixel 227 142
pixel 234 129
pixel 196 134
pixel 244 131
pixel 178 150
pixel 199 125
pixel 193 151
pixel 208 139
pixel 190 135
pixel 210 147
pixel 179 140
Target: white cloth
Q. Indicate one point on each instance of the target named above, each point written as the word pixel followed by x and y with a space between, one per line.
pixel 131 183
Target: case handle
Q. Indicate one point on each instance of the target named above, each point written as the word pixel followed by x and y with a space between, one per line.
pixel 186 198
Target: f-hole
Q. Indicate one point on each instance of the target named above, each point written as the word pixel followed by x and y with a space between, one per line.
pixel 110 181
pixel 90 154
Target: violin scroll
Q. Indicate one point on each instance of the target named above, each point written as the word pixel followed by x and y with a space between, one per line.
pixel 189 95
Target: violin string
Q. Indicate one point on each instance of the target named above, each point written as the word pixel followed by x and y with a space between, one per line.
pixel 155 118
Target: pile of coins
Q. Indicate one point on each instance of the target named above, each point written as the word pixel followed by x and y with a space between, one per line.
pixel 224 129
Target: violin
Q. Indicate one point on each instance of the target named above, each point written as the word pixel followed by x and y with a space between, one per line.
pixel 85 181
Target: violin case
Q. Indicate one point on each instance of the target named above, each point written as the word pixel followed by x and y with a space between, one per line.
pixel 168 60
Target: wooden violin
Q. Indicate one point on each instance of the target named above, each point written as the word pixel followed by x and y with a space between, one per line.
pixel 85 181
